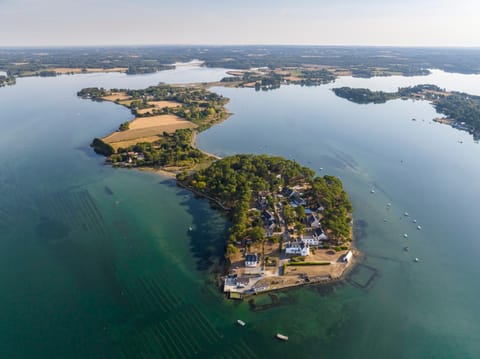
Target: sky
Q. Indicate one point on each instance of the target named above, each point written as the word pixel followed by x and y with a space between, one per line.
pixel 239 22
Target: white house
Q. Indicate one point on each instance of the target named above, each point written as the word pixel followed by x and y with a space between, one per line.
pixel 300 248
pixel 313 221
pixel 310 240
pixel 251 260
pixel 294 197
pixel 348 257
pixel 319 234
pixel 297 199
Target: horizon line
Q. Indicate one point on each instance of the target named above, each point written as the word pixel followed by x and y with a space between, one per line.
pixel 236 45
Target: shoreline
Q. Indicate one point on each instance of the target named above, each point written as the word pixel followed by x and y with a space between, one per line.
pixel 289 281
pixel 159 172
pixel 315 281
pixel 284 275
pixel 299 280
pixel 194 142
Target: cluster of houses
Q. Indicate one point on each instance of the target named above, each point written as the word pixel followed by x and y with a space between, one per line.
pixel 130 158
pixel 299 243
pixel 313 236
pixel 252 260
pixel 462 126
pixel 294 197
pixel 134 156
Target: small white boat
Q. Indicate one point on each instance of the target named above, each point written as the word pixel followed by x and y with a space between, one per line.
pixel 384 219
pixel 406 249
pixel 321 168
pixel 419 227
pixel 406 214
pixel 282 337
pixel 372 191
pixel 405 235
pixel 416 260
pixel 389 204
pixel 241 322
pixel 414 221
pixel 190 228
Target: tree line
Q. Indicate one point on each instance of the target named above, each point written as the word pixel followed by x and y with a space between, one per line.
pixel 238 181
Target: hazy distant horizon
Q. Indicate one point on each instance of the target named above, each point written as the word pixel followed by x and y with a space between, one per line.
pixel 411 23
pixel 186 45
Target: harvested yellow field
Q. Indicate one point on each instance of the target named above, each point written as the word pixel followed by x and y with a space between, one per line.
pixel 147 129
pixel 126 144
pixel 157 105
pixel 145 110
pixel 126 103
pixel 77 70
pixel 293 78
pixel 116 96
pixel 342 72
pixel 66 70
pixel 114 69
pixel 140 133
pixel 156 121
pixel 162 104
pixel 283 72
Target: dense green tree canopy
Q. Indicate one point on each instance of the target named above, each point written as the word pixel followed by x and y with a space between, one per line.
pixel 238 181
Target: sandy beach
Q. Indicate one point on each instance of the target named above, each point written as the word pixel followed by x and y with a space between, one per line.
pixel 162 173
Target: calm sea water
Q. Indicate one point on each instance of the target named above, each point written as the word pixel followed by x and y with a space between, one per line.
pixel 99 263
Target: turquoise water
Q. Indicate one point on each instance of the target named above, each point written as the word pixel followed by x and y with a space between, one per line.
pixel 99 263
pixel 424 309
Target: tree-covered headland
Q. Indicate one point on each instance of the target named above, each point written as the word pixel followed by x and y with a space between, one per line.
pixel 199 106
pixel 239 182
pixel 462 109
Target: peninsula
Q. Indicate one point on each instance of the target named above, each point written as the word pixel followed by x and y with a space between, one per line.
pixel 461 110
pixel 6 80
pixel 162 133
pixel 270 79
pixel 288 227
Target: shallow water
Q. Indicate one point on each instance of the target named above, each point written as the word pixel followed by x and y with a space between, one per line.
pixel 99 263
pixel 418 166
